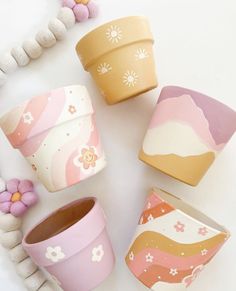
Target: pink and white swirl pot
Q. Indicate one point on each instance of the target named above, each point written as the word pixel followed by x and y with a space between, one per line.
pixel 57 134
pixel 72 244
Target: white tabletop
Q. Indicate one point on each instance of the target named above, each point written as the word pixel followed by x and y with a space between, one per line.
pixel 195 47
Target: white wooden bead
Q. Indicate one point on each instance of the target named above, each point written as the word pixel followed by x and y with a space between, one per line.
pixel 46 38
pixel 35 281
pixel 47 286
pixel 11 239
pixel 26 268
pixel 2 182
pixel 57 28
pixel 66 16
pixel 9 222
pixel 32 48
pixel 20 56
pixel 18 254
pixel 7 63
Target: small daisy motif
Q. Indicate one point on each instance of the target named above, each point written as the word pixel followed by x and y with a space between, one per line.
pixel 141 54
pixel 72 109
pixel 149 258
pixel 179 227
pixel 203 231
pixel 173 272
pixel 87 158
pixel 28 118
pixel 150 218
pixel 114 34
pixel 130 78
pixel 204 252
pixel 104 68
pixel 54 254
pixel 97 254
pixel 131 256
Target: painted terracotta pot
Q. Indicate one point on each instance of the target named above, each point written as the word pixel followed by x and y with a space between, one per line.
pixel 173 243
pixel 119 56
pixel 186 133
pixel 72 244
pixel 57 134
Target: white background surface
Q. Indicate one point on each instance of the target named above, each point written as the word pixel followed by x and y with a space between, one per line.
pixel 195 47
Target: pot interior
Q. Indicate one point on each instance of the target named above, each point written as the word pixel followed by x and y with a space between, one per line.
pixel 60 220
pixel 189 210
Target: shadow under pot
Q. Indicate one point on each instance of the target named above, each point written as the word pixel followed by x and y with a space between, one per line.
pixel 56 133
pixel 119 56
pixel 72 244
pixel 173 243
pixel 186 133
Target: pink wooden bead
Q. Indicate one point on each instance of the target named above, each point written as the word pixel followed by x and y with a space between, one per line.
pixel 93 9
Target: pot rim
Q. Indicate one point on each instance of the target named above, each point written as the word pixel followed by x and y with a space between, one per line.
pixel 90 36
pixel 189 211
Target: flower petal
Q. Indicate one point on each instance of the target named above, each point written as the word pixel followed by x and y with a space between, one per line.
pixel 18 208
pixel 29 198
pixel 12 185
pixel 25 186
pixel 5 197
pixel 5 207
pixel 2 185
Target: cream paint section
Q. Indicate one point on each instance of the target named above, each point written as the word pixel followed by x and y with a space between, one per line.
pixel 78 97
pixel 174 138
pixel 165 225
pixel 10 123
pixel 56 138
pixel 163 286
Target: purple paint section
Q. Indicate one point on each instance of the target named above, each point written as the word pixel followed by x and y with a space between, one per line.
pixel 221 118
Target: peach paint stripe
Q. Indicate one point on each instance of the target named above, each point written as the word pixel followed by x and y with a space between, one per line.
pixel 36 107
pixel 150 277
pixel 9 121
pixel 32 145
pixel 152 201
pixel 155 212
pixel 168 260
pixel 51 113
pixel 158 241
pixel 189 114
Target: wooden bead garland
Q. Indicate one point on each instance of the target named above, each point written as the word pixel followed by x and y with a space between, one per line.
pixel 11 239
pixel 20 56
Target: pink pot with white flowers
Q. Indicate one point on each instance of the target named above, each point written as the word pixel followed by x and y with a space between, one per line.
pixel 57 134
pixel 72 244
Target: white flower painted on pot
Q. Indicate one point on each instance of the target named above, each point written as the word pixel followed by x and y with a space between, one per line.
pixel 97 254
pixel 28 118
pixel 114 34
pixel 149 258
pixel 150 218
pixel 173 272
pixel 130 78
pixel 104 68
pixel 141 54
pixel 131 256
pixel 54 254
pixel 204 252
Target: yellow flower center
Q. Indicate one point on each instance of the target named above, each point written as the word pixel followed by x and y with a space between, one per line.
pixel 89 157
pixel 16 197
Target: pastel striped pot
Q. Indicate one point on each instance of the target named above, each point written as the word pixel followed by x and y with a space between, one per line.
pixel 72 244
pixel 56 132
pixel 187 132
pixel 119 57
pixel 173 243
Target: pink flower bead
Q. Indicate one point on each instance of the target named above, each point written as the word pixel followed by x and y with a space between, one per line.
pixel 93 9
pixel 81 12
pixel 18 196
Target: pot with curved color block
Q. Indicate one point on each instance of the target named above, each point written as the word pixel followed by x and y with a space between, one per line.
pixel 119 56
pixel 187 131
pixel 173 243
pixel 72 244
pixel 56 132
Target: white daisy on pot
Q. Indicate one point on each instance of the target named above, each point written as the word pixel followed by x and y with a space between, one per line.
pixel 54 254
pixel 97 253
